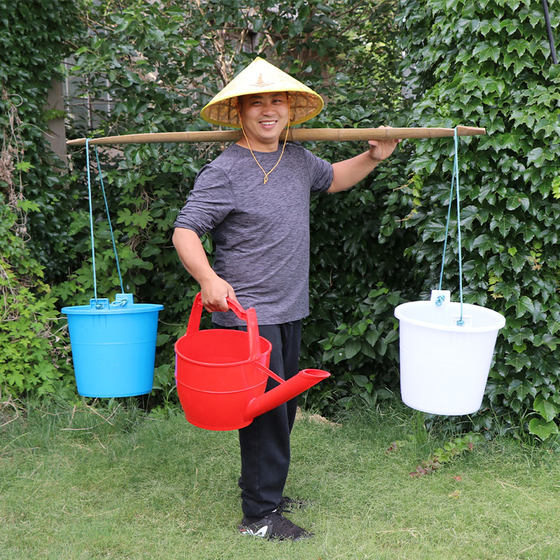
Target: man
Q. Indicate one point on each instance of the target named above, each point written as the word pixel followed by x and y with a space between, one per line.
pixel 254 199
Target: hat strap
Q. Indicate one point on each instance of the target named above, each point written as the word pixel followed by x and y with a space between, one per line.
pixel 266 173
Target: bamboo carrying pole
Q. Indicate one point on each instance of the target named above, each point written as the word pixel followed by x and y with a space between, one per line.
pixel 296 134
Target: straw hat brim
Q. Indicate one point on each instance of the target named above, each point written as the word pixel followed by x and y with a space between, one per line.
pixel 262 77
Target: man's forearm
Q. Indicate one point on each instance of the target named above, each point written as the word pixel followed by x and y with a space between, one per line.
pixel 214 289
pixel 192 255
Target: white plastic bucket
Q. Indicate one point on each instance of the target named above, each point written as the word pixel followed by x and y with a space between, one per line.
pixel 444 367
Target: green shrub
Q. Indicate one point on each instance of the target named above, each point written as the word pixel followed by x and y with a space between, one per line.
pixel 31 356
pixel 163 63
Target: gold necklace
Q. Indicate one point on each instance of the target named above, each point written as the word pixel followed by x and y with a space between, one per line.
pixel 267 173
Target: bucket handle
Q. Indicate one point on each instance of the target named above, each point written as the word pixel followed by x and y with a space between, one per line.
pixel 248 315
pixel 270 373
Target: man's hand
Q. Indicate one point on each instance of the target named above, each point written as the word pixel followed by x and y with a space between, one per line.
pixel 382 149
pixel 214 292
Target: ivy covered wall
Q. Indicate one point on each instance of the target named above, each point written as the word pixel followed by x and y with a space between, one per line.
pixel 489 64
pixel 34 38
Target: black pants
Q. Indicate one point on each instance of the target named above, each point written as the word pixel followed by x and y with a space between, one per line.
pixel 265 443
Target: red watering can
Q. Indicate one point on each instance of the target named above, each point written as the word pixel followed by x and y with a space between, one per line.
pixel 221 374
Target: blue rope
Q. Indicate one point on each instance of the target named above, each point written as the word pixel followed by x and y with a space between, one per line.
pixel 91 220
pixel 447 228
pixel 460 322
pixel 454 184
pixel 98 305
pixel 109 219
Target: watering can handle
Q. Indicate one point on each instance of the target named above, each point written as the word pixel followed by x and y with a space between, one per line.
pixel 248 315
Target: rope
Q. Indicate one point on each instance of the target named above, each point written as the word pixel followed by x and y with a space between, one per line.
pixel 454 185
pixel 91 223
pixel 98 305
pixel 109 219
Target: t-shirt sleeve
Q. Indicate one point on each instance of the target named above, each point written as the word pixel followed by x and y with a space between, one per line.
pixel 320 172
pixel 209 202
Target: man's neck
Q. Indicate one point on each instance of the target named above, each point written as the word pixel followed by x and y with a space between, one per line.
pixel 258 146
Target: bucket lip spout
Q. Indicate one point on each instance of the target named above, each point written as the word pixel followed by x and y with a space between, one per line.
pixel 499 322
pixel 134 308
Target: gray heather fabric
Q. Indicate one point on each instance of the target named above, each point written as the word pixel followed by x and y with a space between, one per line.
pixel 260 231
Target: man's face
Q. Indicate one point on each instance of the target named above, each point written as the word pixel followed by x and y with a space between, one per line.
pixel 264 116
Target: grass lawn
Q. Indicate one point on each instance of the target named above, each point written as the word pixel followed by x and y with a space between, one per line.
pixel 88 483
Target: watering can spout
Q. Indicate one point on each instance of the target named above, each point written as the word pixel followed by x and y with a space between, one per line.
pixel 284 391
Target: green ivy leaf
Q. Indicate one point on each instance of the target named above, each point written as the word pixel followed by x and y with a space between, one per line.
pixel 352 348
pixel 545 408
pixel 542 428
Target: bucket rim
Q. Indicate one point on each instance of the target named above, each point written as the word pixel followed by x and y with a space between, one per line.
pixel 243 390
pixel 500 320
pixel 134 308
pixel 221 364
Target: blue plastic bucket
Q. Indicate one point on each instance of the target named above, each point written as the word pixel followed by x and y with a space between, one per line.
pixel 113 346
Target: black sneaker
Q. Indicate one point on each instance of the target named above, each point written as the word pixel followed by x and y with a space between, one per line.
pixel 289 505
pixel 273 526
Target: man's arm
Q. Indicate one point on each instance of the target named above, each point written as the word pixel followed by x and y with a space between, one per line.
pixel 351 171
pixel 214 289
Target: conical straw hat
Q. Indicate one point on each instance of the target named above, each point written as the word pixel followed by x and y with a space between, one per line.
pixel 262 77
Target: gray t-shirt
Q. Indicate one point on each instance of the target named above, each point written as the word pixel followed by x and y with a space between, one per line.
pixel 260 231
